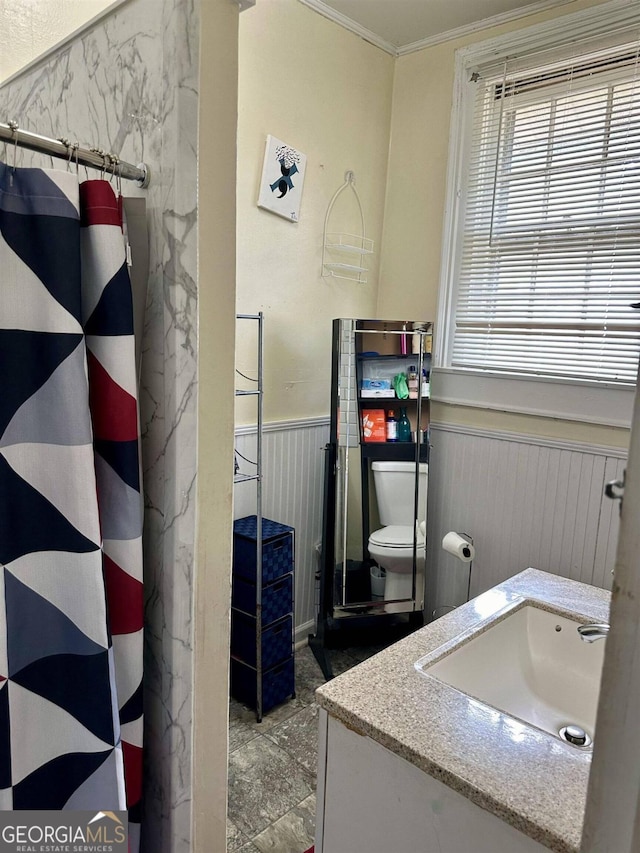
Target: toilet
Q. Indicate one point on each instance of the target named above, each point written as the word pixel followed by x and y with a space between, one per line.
pixel 391 546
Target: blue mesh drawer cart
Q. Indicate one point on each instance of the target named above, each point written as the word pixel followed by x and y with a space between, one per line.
pixel 262 648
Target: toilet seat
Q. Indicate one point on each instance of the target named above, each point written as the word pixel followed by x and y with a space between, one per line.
pixel 396 536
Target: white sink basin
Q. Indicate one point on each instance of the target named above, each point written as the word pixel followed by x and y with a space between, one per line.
pixel 530 664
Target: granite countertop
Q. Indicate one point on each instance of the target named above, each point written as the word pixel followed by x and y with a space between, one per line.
pixel 526 777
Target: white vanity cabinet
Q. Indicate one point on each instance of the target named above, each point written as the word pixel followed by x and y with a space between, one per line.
pixel 370 800
pixel 410 764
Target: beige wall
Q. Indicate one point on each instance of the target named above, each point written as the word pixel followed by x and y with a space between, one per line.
pixel 418 160
pixel 348 105
pixel 526 424
pixel 216 341
pixel 31 27
pixel 326 92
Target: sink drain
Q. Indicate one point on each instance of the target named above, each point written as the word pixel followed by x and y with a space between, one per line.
pixel 575 735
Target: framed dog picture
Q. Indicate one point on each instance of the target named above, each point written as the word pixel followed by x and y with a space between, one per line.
pixel 282 179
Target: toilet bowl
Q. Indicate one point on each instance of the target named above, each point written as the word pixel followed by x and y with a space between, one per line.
pixel 392 549
pixel 391 546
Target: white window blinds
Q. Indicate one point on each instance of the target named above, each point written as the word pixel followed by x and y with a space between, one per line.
pixel 549 254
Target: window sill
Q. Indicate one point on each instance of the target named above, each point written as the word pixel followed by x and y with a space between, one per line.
pixel 575 400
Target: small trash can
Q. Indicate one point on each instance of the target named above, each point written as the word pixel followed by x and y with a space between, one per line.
pixel 378 580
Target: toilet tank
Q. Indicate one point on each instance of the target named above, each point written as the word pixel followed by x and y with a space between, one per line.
pixel 394 483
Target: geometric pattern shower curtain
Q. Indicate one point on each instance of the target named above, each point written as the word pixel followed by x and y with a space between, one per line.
pixel 70 515
pixel 107 319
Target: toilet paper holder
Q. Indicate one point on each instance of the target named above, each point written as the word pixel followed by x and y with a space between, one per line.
pixel 464 550
pixel 460 545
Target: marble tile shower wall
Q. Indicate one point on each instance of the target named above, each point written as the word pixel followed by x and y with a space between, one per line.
pixel 130 85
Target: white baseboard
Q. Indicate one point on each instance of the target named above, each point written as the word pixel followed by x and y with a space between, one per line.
pixel 301 635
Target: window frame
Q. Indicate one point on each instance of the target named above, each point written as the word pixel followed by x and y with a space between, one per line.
pixel 589 401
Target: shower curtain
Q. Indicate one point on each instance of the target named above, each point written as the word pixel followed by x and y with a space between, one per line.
pixel 70 511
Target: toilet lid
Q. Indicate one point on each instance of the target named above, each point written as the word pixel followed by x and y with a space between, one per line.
pixel 396 536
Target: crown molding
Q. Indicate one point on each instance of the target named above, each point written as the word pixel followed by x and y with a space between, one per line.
pixel 485 23
pixel 459 32
pixel 351 25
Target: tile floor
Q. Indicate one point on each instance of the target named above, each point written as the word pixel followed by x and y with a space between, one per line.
pixel 272 764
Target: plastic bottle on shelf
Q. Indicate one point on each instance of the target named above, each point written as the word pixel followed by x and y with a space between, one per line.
pixel 392 426
pixel 403 340
pixel 415 338
pixel 404 427
pixel 412 382
pixel 426 385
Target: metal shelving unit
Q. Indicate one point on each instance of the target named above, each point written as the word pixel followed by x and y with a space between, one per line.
pixel 257 392
pixel 262 629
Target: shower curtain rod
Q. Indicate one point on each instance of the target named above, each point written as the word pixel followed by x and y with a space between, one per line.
pixel 72 152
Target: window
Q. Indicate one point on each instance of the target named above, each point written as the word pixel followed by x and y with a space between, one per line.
pixel 546 254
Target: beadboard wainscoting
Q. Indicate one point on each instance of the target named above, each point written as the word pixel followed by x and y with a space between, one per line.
pixel 526 501
pixel 292 493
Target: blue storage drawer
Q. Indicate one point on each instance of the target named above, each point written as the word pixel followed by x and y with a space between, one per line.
pixel 277 598
pixel 278 683
pixel 277 548
pixel 276 640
